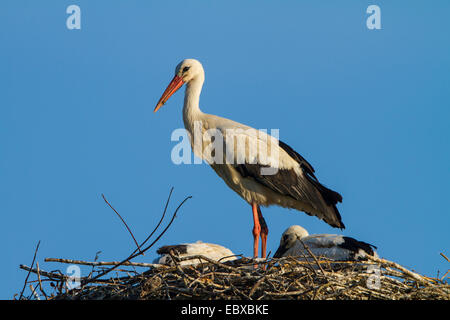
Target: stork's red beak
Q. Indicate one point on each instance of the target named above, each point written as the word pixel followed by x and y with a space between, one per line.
pixel 173 86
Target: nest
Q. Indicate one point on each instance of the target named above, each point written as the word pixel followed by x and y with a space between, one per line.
pixel 290 278
pixel 247 279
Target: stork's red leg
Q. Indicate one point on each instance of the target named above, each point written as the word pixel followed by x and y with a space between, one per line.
pixel 256 230
pixel 264 233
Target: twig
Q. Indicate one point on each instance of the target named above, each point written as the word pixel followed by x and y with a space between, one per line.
pixel 257 284
pixel 32 263
pixel 160 221
pixel 134 255
pixel 102 263
pixel 40 282
pixel 52 276
pixel 413 275
pixel 313 256
pixel 443 277
pixel 129 230
pixel 93 267
pixel 219 264
pixel 33 291
pixel 167 227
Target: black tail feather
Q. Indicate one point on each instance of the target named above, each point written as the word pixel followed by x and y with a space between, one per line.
pixel 330 197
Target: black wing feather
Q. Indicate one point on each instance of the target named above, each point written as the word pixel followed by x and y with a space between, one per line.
pixel 286 182
pixel 355 245
pixel 177 249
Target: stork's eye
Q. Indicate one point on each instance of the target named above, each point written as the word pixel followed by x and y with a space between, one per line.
pixel 185 69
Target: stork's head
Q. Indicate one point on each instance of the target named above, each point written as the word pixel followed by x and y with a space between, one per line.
pixel 186 71
pixel 288 239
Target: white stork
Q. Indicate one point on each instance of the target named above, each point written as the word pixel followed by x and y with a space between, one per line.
pixel 291 185
pixel 331 246
pixel 209 250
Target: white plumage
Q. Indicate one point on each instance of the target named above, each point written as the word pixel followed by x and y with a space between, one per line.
pixel 209 250
pixel 331 246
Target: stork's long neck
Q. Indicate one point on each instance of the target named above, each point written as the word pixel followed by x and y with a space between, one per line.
pixel 191 109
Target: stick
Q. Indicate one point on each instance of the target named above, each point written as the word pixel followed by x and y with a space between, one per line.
pixel 131 233
pixel 33 291
pixel 413 275
pixel 52 276
pixel 101 263
pixel 32 263
pixel 40 282
pixel 134 255
pixel 160 221
pixel 219 264
pixel 313 256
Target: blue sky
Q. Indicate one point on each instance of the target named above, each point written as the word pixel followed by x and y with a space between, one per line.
pixel 369 109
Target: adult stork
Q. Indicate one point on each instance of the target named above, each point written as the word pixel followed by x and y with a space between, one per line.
pixel 292 183
pixel 332 246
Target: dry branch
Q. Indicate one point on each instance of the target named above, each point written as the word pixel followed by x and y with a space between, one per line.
pixel 28 275
pixel 123 221
pixel 102 263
